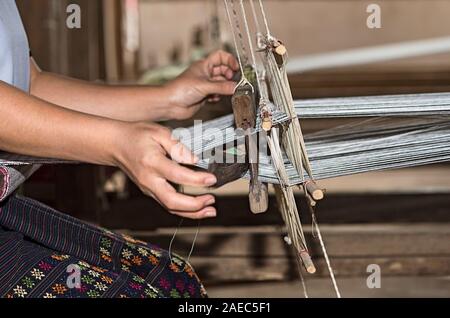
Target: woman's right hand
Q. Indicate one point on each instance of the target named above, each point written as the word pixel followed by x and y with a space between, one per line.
pixel 150 157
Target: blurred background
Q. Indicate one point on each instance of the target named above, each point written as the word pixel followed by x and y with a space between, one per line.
pixel 396 219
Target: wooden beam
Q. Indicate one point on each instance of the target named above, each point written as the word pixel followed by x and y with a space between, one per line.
pixel 237 254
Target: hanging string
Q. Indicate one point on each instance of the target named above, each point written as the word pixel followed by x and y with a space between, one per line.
pixel 239 32
pixel 255 17
pixel 173 239
pixel 266 24
pixel 194 241
pixel 247 31
pixel 243 81
pixel 191 250
pixel 302 278
pixel 233 35
pixel 325 255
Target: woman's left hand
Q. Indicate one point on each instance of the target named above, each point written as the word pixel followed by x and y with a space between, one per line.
pixel 204 80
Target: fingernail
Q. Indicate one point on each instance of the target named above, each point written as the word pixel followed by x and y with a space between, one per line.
pixel 211 201
pixel 210 181
pixel 210 213
pixel 195 158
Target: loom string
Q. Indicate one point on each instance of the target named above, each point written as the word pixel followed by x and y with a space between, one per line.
pixel 197 231
pixel 278 94
pixel 266 24
pixel 239 33
pixel 264 103
pixel 287 200
pixel 255 17
pixel 325 253
pixel 302 278
pixel 290 216
pixel 233 35
pixel 173 239
pixel 243 81
pixel 194 241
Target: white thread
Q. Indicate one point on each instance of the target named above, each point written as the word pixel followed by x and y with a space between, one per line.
pixel 194 240
pixel 325 255
pixel 266 24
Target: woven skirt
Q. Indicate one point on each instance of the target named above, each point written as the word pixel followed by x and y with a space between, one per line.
pixel 47 254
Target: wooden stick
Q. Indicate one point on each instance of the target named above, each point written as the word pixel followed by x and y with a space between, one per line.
pixel 307 262
pixel 266 122
pixel 258 197
pixel 314 191
pixel 280 50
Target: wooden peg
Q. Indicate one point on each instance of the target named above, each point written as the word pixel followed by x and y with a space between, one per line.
pixel 258 197
pixel 280 49
pixel 266 121
pixel 244 110
pixel 258 192
pixel 307 262
pixel 243 104
pixel 314 191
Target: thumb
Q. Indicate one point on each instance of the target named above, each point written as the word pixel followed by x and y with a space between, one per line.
pixel 218 87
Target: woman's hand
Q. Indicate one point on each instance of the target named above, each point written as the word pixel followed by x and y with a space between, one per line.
pixel 149 155
pixel 206 79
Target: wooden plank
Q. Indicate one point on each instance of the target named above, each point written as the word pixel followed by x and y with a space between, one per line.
pixel 356 287
pixel 267 241
pixel 141 213
pixel 236 254
pixel 222 270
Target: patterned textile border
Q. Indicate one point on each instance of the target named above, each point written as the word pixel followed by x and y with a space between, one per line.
pixel 11 177
pixel 38 244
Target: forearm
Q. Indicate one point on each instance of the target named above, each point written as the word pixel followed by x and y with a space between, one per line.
pixel 34 127
pixel 127 103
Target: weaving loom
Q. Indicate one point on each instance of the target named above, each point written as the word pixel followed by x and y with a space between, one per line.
pixel 396 131
pixel 371 145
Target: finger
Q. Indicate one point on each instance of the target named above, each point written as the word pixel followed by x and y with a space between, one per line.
pixel 214 99
pixel 182 154
pixel 222 58
pixel 208 212
pixel 174 201
pixel 219 78
pixel 176 150
pixel 173 172
pixel 222 70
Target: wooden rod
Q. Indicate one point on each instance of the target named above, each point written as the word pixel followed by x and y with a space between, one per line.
pixel 314 191
pixel 307 262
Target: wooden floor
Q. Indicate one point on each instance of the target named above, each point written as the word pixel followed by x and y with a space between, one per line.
pixel 226 255
pixel 409 286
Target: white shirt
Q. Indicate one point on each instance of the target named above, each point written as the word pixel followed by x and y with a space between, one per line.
pixel 14 70
pixel 14 49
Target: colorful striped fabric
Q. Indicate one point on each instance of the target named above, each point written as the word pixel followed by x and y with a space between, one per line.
pixel 47 254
